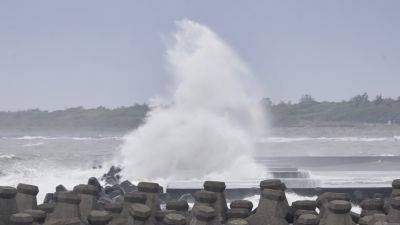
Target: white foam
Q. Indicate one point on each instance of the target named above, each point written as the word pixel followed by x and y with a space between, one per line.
pixel 7 156
pixel 326 139
pixel 292 197
pixel 355 178
pixel 47 176
pixel 206 130
pixel 63 138
pixel 33 144
pixel 29 138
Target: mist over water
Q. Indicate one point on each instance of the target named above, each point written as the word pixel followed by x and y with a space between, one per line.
pixel 209 127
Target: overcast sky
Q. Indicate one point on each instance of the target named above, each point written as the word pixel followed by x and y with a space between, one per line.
pixel 60 53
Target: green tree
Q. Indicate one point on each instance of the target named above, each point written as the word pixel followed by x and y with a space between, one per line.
pixel 360 99
pixel 306 100
pixel 378 100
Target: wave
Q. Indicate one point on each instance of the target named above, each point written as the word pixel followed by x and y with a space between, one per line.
pixel 33 144
pixel 7 156
pixel 355 178
pixel 47 176
pixel 62 138
pixel 207 129
pixel 28 138
pixel 327 139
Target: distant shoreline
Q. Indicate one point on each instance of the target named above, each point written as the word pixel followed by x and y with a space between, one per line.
pixel 356 112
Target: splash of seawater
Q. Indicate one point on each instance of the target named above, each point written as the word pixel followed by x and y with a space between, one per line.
pixel 209 128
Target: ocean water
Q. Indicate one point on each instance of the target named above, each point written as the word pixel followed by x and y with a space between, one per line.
pixel 361 159
pixel 210 126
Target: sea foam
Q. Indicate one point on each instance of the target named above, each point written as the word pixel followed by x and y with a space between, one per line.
pixel 207 129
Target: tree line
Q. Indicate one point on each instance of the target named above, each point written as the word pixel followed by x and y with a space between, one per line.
pixel 358 109
pixel 307 111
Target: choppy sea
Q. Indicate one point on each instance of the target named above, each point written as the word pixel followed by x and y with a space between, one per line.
pixel 302 157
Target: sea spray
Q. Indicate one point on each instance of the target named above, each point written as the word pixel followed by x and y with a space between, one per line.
pixel 209 128
pixel 46 175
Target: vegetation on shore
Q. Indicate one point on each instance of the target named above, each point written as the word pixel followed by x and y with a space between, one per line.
pixel 74 119
pixel 359 109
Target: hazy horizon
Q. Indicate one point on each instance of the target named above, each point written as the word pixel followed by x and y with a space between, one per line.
pixel 56 55
pixel 274 102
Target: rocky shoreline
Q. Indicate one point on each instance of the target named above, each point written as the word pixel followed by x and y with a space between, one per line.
pixel 148 204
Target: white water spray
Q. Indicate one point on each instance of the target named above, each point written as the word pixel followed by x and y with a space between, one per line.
pixel 208 129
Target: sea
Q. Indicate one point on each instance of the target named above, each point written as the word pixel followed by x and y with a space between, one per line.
pixel 335 156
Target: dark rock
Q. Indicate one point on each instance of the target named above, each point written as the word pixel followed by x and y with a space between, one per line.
pixel 271 209
pixel 374 219
pixel 148 187
pixel 237 213
pixel 159 217
pixel 89 195
pixel 274 184
pixel 187 197
pixel 130 199
pixel 117 187
pixel 49 198
pixel 8 204
pixel 93 181
pixel 108 190
pixel 339 213
pixel 323 203
pixel 395 188
pixel 115 193
pixel 203 214
pixel 113 208
pixel 26 197
pixel 214 186
pixel 207 197
pixel 237 222
pixel 220 205
pixel 112 177
pixel 301 212
pixel 174 219
pixel 379 195
pixel 21 219
pixel 358 195
pixel 305 205
pixel 355 217
pixel 98 218
pixel 152 195
pixel 178 205
pixel 127 186
pixel 103 200
pixel 242 204
pixel 38 216
pixel 203 198
pixel 307 219
pixel 118 199
pixel 60 188
pixel 66 209
pixel 140 213
pixel 394 210
pixel 135 197
pixel 372 206
pixel 47 207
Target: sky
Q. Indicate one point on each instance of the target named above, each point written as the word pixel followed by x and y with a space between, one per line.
pixel 56 54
